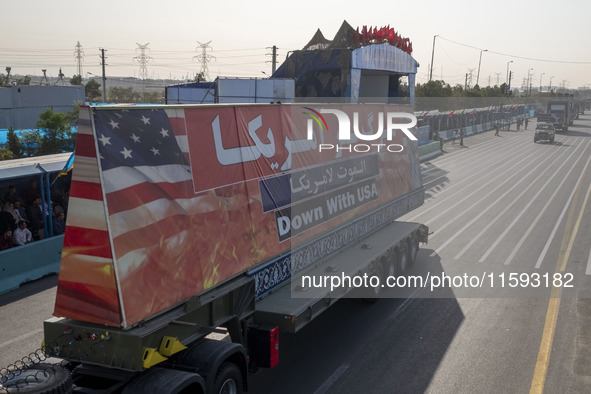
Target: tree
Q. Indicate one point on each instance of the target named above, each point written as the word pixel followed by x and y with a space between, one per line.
pixel 14 144
pixel 200 77
pixel 92 90
pixel 433 89
pixel 31 142
pixel 153 98
pixel 57 136
pixel 118 94
pixel 128 95
pixel 24 81
pixel 76 80
pixel 6 154
pixel 73 115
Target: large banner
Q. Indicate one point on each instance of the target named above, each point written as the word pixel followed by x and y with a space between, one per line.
pixel 181 199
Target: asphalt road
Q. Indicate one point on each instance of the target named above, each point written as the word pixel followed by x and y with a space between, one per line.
pixel 504 212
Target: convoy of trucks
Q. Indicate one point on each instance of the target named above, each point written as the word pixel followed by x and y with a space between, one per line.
pixel 190 229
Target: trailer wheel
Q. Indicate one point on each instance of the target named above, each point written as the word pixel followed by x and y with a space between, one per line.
pixel 392 264
pixel 39 379
pixel 403 257
pixel 228 379
pixel 413 250
pixel 163 380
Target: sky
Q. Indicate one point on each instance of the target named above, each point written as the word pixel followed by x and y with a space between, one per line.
pixel 548 42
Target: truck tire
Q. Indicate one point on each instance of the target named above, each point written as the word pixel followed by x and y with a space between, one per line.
pixel 403 257
pixel 39 379
pixel 392 264
pixel 413 250
pixel 163 380
pixel 228 379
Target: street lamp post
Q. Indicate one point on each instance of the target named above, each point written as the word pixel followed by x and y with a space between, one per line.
pixel 507 79
pixel 529 81
pixel 550 86
pixel 480 61
pixel 432 56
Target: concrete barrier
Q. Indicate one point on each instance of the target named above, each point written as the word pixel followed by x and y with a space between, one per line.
pixel 429 150
pixel 29 262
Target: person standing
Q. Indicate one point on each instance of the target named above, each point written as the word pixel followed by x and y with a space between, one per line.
pixel 497 129
pixel 59 224
pixel 461 138
pixel 35 215
pixel 526 122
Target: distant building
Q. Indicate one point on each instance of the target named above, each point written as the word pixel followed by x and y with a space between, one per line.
pixel 21 105
pixel 225 90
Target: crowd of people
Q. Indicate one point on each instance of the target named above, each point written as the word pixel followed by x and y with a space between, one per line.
pixel 22 215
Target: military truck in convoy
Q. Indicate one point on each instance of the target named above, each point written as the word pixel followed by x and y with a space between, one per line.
pixel 190 228
pixel 562 112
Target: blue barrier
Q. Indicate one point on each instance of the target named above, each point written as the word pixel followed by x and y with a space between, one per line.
pixel 29 262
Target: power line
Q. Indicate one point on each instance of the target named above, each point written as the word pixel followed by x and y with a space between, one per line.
pixel 515 56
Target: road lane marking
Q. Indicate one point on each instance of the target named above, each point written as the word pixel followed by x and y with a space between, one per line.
pixel 405 304
pixel 541 370
pixel 542 212
pixel 484 211
pixel 570 203
pixel 478 175
pixel 514 201
pixel 576 229
pixel 20 338
pixel 539 379
pixel 332 379
pixel 533 199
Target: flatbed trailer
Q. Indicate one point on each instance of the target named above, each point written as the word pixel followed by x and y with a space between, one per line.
pixel 174 352
pixel 111 334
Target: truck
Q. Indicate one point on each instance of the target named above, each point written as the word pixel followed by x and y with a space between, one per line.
pixel 192 230
pixel 562 112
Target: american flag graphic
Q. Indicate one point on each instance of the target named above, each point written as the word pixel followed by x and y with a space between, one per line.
pixel 146 183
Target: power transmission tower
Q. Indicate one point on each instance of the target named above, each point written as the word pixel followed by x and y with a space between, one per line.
pixel 470 77
pixel 143 59
pixel 204 58
pixel 79 55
